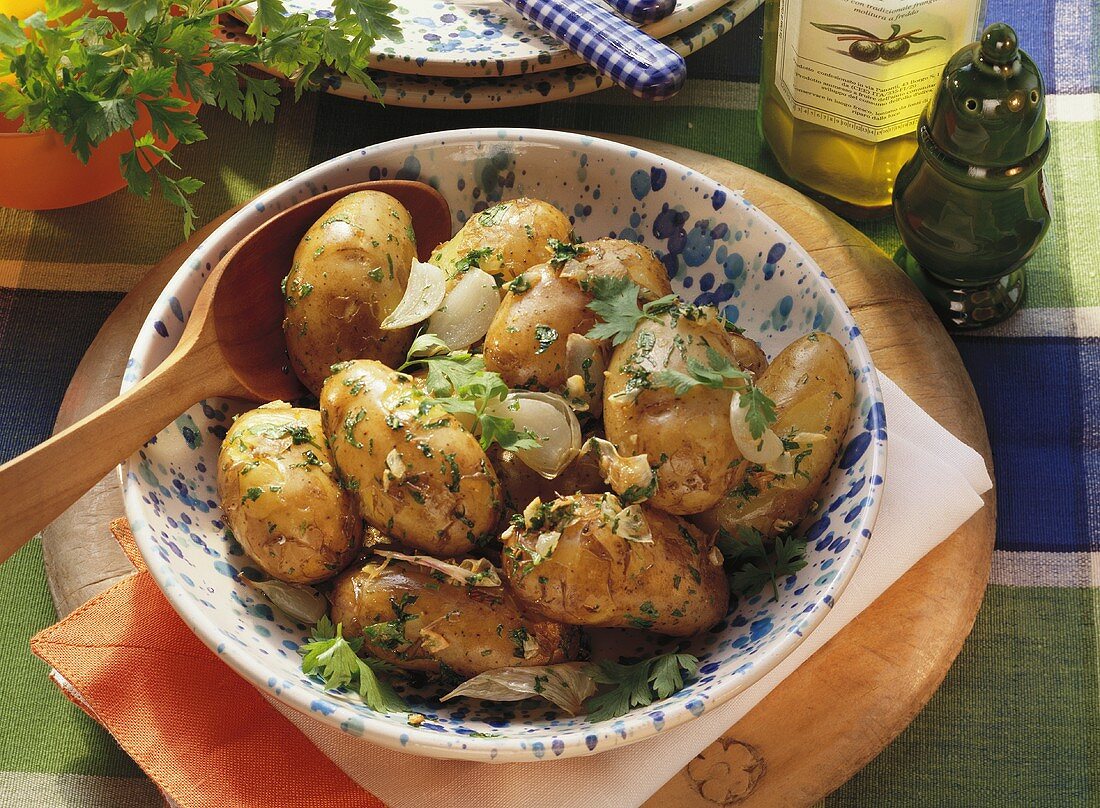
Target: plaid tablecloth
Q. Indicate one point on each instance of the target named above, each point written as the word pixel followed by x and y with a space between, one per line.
pixel 1017 721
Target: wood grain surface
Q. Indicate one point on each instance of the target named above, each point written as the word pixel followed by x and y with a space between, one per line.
pixel 842 706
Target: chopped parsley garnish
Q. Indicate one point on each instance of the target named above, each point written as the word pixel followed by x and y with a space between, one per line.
pixel 518 285
pixel 562 251
pixel 492 216
pixel 616 302
pixel 545 336
pixel 335 660
pixel 472 260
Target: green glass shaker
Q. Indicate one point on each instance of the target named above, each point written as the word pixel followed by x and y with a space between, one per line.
pixel 970 204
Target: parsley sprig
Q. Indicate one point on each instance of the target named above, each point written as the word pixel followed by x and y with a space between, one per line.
pixel 719 374
pixel 753 566
pixel 459 383
pixel 616 301
pixel 335 660
pixel 638 684
pixel 88 79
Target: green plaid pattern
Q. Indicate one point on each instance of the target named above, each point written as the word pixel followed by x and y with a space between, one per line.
pixel 1017 721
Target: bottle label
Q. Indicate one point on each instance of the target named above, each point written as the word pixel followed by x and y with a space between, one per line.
pixel 867 69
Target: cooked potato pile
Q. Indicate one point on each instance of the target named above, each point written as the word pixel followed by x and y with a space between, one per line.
pixel 542 438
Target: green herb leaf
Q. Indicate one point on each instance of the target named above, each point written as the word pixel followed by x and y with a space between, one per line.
pixel 616 301
pixel 760 411
pixel 336 661
pixel 562 251
pixel 754 565
pixel 638 684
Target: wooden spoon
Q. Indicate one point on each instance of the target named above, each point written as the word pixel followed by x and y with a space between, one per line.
pixel 231 346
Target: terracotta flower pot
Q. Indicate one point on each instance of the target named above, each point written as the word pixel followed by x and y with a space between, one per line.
pixel 41 173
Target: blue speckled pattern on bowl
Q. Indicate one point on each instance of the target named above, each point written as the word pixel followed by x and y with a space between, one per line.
pixel 718 249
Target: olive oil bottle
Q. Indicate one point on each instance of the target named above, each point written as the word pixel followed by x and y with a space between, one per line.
pixel 843 84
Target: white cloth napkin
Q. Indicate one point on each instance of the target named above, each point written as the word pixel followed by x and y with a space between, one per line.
pixel 926 464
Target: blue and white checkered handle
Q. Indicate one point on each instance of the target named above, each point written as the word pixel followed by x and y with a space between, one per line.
pixel 643 11
pixel 629 57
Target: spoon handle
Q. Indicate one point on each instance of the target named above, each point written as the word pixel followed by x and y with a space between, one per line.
pixel 37 486
pixel 643 11
pixel 629 57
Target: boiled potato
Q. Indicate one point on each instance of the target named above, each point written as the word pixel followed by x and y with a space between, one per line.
pixel 349 272
pixel 413 619
pixel 812 386
pixel 282 497
pixel 529 341
pixel 520 484
pixel 419 476
pixel 584 560
pixel 505 239
pixel 687 435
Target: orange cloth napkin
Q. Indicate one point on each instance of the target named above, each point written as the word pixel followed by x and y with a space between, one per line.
pixel 202 733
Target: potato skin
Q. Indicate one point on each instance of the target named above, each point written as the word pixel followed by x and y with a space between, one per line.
pixel 812 386
pixel 349 272
pixel 515 346
pixel 687 437
pixel 516 232
pixel 282 497
pixel 482 626
pixel 595 578
pixel 447 498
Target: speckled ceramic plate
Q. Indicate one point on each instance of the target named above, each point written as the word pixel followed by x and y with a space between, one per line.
pixel 471 38
pixel 717 248
pixel 429 92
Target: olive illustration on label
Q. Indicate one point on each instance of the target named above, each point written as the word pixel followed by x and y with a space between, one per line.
pixel 868 47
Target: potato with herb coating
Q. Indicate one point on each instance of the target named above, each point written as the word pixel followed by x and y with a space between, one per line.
pixel 586 560
pixel 419 475
pixel 349 272
pixel 410 617
pixel 530 342
pixel 505 239
pixel 685 433
pixel 282 497
pixel 812 386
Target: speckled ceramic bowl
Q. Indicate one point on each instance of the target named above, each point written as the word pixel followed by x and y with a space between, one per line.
pixel 718 249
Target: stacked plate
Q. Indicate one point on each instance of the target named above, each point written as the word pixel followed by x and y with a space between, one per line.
pixel 476 54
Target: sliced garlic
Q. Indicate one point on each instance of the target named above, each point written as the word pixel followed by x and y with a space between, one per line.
pixel 423 296
pixel 551 418
pixel 467 311
pixel 764 449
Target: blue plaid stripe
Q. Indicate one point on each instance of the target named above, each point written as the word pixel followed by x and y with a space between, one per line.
pixel 629 57
pixel 644 11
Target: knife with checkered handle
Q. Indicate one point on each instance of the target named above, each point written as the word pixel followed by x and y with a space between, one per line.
pixel 643 11
pixel 632 59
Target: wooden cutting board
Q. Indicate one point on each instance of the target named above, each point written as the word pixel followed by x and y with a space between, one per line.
pixel 851 698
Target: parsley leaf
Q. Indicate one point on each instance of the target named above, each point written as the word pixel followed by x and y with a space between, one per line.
pixel 761 411
pixel 715 374
pixel 638 684
pixel 459 383
pixel 754 566
pixel 87 77
pixel 616 301
pixel 335 660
